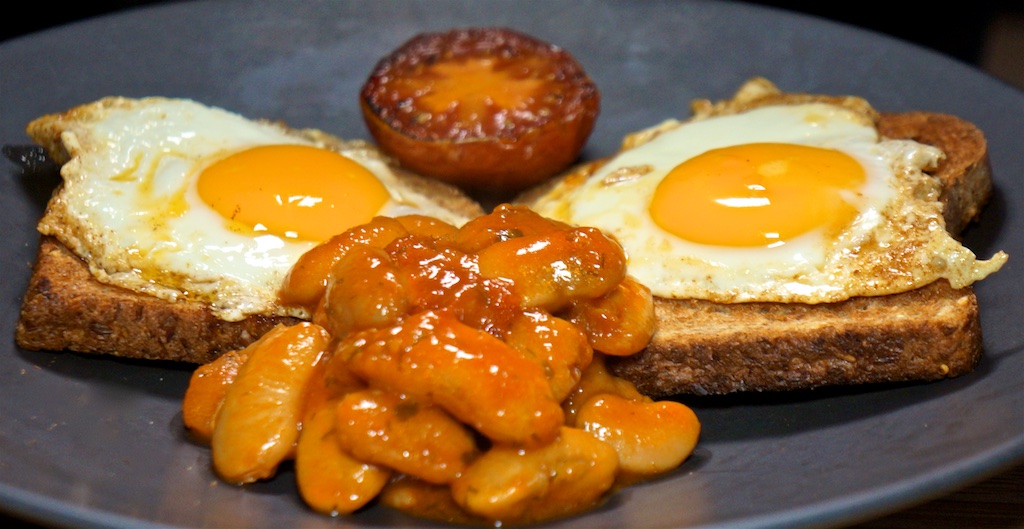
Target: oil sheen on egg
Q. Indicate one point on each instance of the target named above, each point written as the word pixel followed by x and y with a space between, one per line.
pixel 788 203
pixel 184 201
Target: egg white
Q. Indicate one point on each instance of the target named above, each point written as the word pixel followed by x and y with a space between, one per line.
pixel 129 204
pixel 897 241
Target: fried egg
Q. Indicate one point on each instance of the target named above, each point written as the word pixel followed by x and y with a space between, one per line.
pixel 184 201
pixel 799 202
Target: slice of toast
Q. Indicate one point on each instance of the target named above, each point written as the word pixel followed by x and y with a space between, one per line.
pixel 66 308
pixel 706 348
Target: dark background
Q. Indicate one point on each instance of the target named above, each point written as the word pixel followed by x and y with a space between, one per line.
pixel 953 28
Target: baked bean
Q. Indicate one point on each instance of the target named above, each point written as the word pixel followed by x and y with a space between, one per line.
pixel 551 270
pixel 441 277
pixel 364 290
pixel 505 222
pixel 491 306
pixel 434 276
pixel 258 423
pixel 453 373
pixel 597 380
pixel 433 357
pixel 413 438
pixel 557 345
pixel 206 389
pixel 427 500
pixel 330 381
pixel 567 476
pixel 426 226
pixel 621 322
pixel 331 481
pixel 307 279
pixel 650 437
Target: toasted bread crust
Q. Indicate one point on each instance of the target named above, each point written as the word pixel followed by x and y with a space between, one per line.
pixel 66 308
pixel 708 348
pixel 965 170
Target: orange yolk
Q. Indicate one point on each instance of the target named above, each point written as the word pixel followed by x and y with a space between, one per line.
pixel 758 194
pixel 292 191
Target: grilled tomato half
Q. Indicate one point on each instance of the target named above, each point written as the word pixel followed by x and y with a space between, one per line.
pixel 487 109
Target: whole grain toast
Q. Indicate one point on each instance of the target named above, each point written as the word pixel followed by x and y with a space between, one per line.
pixel 66 308
pixel 706 348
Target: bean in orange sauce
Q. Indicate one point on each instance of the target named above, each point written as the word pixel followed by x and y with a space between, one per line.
pixel 452 373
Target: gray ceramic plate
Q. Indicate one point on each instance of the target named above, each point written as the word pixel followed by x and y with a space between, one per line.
pixel 96 442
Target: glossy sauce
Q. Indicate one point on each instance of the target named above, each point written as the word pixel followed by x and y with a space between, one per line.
pixel 461 378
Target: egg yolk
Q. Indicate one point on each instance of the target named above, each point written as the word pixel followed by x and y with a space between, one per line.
pixel 758 194
pixel 292 191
